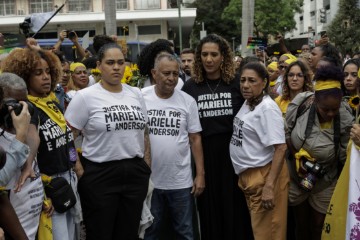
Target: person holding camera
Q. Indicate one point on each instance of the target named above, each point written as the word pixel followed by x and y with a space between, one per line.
pixel 72 36
pixel 57 156
pixel 32 190
pixel 317 136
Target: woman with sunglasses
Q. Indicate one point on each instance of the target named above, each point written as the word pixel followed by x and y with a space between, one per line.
pixel 296 80
pixel 282 68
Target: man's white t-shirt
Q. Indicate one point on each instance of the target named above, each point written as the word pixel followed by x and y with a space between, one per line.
pixel 254 134
pixel 113 124
pixel 170 121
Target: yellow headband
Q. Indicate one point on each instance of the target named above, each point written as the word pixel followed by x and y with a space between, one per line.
pixel 273 66
pixel 74 65
pixel 290 61
pixel 329 84
pixel 290 56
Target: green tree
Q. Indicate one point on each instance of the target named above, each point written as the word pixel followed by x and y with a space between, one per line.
pixel 344 30
pixel 270 16
pixel 209 12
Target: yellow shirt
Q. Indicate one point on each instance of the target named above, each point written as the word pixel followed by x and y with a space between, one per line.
pixel 283 104
pixel 326 125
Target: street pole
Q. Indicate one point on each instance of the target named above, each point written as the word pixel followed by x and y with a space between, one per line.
pixel 110 19
pixel 316 19
pixel 247 25
pixel 180 30
pixel 233 43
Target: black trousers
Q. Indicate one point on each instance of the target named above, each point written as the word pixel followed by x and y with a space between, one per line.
pixel 222 206
pixel 112 195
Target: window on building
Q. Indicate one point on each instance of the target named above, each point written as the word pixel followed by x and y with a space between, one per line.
pixel 312 13
pixel 121 4
pixel 79 5
pixel 40 6
pixel 147 4
pixel 301 18
pixel 7 7
pixel 149 29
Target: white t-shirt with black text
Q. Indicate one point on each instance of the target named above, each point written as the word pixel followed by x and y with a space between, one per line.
pixel 254 134
pixel 170 121
pixel 113 124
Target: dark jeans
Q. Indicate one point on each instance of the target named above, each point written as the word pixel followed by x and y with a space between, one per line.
pixel 112 196
pixel 180 204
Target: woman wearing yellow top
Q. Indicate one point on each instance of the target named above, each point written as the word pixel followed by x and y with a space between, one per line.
pixel 296 80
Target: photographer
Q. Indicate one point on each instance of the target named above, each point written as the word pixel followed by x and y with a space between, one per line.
pixel 14 158
pixel 317 136
pixel 18 152
pixel 80 51
pixel 27 203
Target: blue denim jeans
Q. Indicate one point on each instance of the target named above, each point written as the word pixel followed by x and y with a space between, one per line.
pixel 180 204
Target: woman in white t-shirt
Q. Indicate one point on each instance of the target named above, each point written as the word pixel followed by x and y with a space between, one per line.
pixel 257 150
pixel 112 118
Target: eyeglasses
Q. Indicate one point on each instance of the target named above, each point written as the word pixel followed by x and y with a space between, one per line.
pixel 298 75
pixel 66 72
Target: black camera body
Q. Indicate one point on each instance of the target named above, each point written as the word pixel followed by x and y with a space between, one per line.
pixel 314 168
pixel 6 120
pixel 70 34
pixel 314 171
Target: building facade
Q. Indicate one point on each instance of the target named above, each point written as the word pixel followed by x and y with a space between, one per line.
pixel 314 18
pixel 136 20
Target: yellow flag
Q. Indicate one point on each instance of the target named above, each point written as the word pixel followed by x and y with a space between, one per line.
pixel 335 221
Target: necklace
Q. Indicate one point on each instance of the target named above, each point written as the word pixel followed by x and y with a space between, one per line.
pixel 213 91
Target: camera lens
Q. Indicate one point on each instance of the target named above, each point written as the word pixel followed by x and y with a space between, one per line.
pixel 71 34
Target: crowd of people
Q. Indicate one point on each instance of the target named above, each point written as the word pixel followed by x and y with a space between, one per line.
pixel 222 146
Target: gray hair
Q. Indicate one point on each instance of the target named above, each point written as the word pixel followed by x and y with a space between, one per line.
pixel 162 56
pixel 11 81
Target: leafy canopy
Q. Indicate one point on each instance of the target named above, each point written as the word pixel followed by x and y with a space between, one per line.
pixel 270 16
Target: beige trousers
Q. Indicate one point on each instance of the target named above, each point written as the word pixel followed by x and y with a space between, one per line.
pixel 266 224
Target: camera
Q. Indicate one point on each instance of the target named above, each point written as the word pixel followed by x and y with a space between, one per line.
pixel 6 120
pixel 314 171
pixel 70 33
